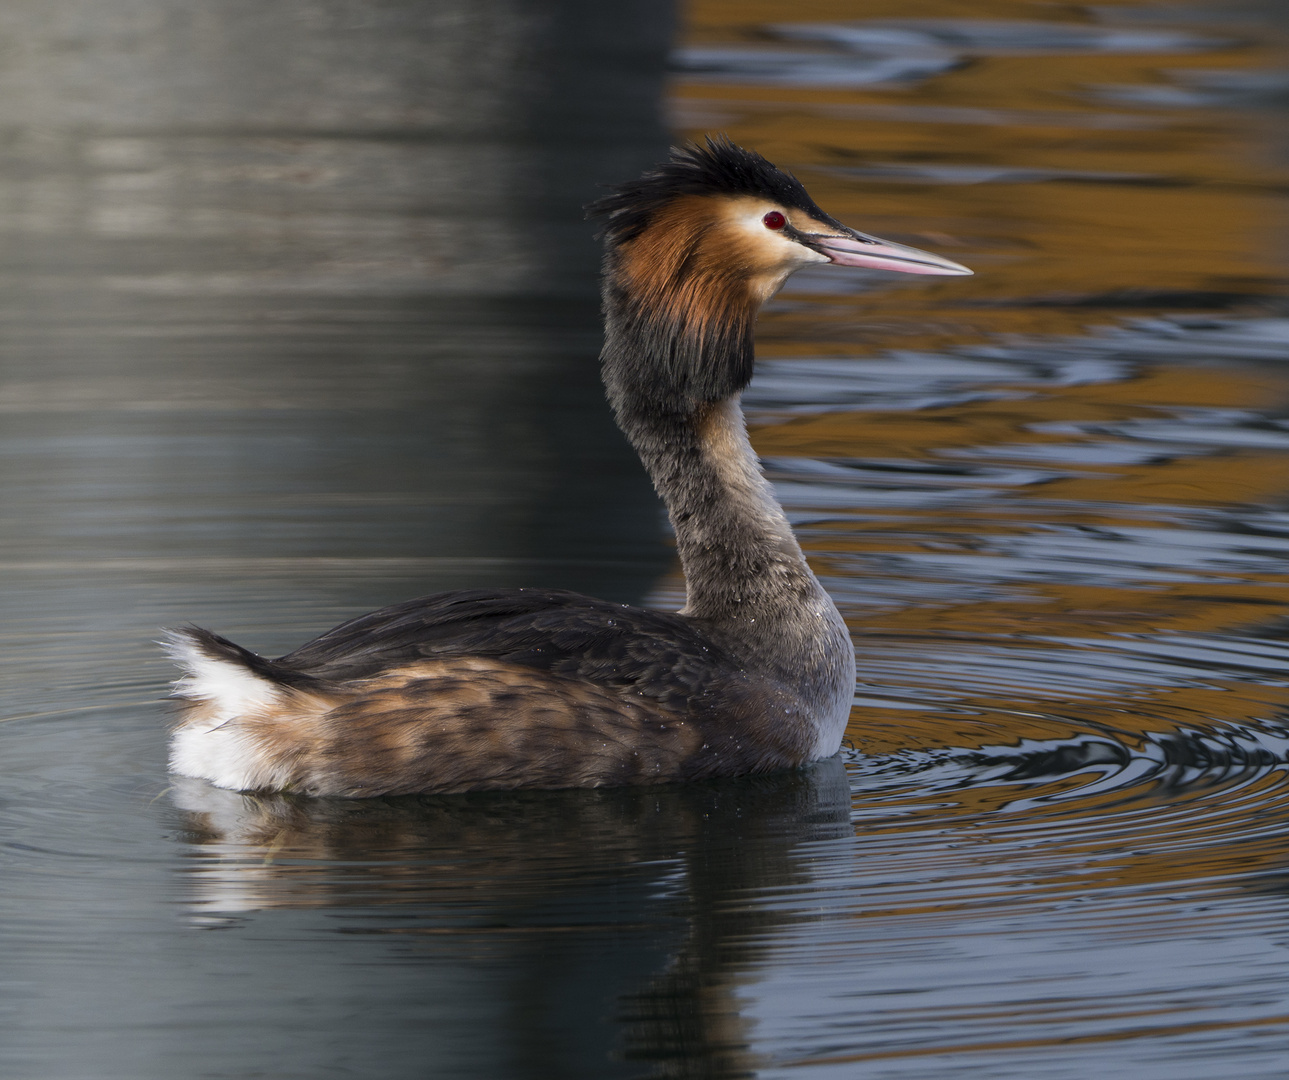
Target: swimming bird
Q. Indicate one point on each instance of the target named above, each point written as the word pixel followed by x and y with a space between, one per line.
pixel 542 688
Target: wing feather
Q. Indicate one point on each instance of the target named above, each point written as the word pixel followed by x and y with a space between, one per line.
pixel 659 655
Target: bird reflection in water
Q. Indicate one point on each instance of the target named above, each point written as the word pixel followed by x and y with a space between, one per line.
pixel 621 916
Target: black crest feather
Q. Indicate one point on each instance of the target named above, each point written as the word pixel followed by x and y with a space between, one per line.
pixel 718 167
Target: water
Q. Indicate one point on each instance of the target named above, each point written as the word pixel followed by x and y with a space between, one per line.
pixel 299 320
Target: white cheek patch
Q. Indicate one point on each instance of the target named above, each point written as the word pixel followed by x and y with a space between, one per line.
pixel 780 253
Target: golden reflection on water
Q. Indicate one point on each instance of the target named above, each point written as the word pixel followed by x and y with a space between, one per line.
pixel 1141 210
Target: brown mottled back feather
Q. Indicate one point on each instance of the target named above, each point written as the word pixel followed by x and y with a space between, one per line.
pixel 466 723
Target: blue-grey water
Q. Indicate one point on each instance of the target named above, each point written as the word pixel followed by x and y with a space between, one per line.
pixel 299 319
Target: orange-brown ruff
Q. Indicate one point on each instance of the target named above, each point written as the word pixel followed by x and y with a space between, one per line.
pixel 507 688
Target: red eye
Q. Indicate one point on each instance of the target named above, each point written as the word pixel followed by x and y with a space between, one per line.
pixel 774 220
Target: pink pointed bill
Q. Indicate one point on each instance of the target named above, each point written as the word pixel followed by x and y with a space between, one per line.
pixel 878 254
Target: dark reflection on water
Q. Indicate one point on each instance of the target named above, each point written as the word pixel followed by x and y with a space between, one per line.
pixel 313 282
pixel 607 925
pixel 298 318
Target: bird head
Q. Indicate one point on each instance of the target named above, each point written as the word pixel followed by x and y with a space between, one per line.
pixel 694 247
pixel 718 222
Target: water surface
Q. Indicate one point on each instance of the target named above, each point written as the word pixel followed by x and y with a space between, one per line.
pixel 272 357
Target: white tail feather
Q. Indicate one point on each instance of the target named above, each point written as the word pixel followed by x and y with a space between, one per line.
pixel 206 743
pixel 226 687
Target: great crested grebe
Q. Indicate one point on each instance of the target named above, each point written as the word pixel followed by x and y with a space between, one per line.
pixel 541 688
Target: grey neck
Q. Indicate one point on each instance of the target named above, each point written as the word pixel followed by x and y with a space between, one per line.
pixel 740 558
pixel 744 570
